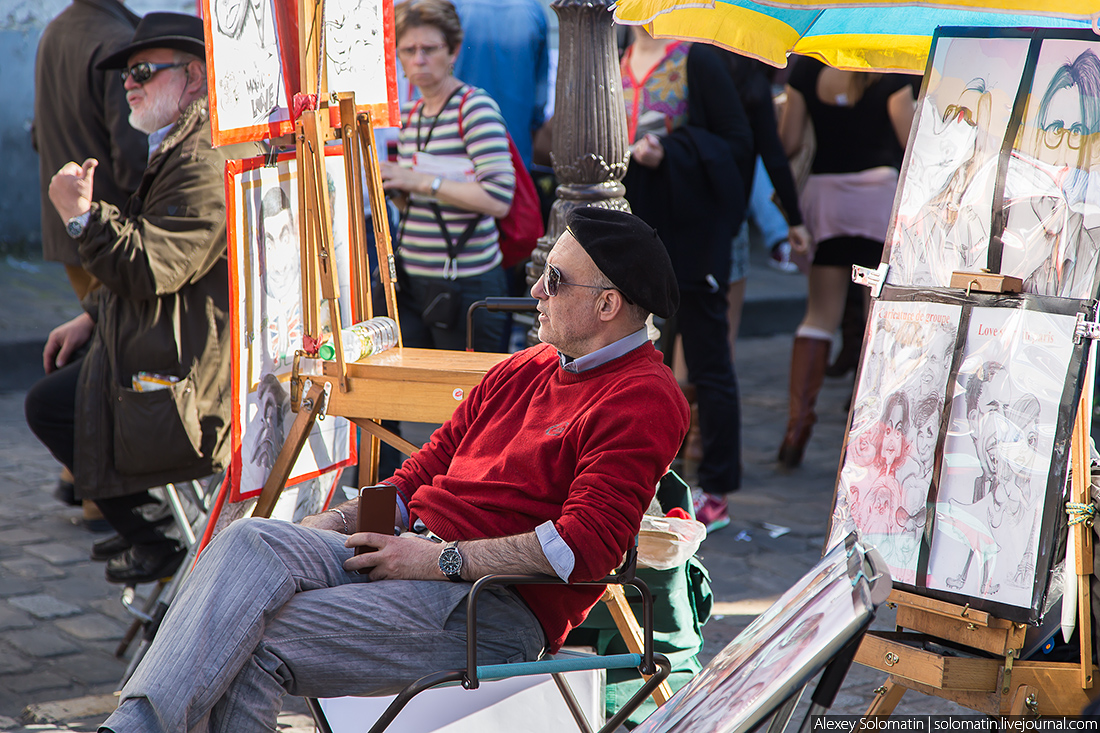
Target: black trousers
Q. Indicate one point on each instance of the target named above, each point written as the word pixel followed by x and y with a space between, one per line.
pixel 703 325
pixel 50 409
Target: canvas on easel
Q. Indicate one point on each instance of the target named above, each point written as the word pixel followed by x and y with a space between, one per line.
pixel 253 64
pixel 246 65
pixel 268 322
pixel 1002 481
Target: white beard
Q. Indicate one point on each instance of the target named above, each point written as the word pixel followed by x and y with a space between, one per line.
pixel 158 110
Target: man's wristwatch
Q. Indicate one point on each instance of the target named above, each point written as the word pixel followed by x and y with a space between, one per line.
pixel 450 561
pixel 76 226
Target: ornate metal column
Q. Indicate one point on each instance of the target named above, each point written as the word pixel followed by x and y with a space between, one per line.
pixel 590 146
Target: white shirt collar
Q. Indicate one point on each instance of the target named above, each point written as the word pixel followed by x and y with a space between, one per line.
pixel 604 354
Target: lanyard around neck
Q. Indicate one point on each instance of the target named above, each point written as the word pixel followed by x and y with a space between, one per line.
pixel 431 129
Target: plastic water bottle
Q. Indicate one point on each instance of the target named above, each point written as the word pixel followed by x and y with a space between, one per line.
pixel 363 339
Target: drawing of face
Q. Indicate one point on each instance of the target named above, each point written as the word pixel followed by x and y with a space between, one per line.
pixel 1019 446
pixel 935 362
pixel 895 426
pixel 281 246
pixel 925 440
pixel 988 420
pixel 863 448
pixel 1069 113
pixel 881 506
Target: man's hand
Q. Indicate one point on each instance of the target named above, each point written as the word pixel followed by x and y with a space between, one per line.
pixel 396 558
pixel 71 188
pixel 65 340
pixel 338 518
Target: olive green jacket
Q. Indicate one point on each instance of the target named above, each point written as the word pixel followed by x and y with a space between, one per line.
pixel 164 309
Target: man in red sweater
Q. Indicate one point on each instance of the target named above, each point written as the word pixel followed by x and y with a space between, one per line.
pixel 547 468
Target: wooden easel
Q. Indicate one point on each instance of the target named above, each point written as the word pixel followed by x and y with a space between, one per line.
pixel 1005 684
pixel 418 385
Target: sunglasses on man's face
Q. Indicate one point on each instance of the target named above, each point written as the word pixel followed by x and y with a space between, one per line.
pixel 551 277
pixel 144 71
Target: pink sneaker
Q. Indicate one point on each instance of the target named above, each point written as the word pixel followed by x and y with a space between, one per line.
pixel 710 510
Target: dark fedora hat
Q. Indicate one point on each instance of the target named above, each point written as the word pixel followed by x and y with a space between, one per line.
pixel 160 30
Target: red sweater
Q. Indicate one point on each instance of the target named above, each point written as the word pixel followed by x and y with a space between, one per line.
pixel 533 443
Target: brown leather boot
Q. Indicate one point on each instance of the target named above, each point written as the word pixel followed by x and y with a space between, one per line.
pixel 809 357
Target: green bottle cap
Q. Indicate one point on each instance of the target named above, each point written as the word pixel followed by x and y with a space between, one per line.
pixel 327 351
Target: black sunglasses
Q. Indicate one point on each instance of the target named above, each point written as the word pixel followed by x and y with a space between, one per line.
pixel 144 71
pixel 552 278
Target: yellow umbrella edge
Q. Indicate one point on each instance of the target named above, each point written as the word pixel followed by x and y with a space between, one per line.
pixel 1067 9
pixel 770 40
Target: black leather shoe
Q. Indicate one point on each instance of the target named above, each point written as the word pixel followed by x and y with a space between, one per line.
pixel 144 564
pixel 108 548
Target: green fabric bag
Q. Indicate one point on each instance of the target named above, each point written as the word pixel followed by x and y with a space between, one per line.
pixel 682 602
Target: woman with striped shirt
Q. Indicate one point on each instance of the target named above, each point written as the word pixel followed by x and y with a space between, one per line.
pixel 455 174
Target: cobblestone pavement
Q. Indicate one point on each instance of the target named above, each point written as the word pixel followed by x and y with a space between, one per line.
pixel 60 622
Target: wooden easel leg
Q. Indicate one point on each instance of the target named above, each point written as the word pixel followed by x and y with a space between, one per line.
pixel 1025 701
pixel 299 432
pixel 886 699
pixel 631 632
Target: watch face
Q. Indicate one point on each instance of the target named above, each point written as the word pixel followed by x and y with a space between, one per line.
pixel 450 562
pixel 74 228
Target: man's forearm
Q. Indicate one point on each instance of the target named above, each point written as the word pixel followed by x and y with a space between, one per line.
pixel 519 554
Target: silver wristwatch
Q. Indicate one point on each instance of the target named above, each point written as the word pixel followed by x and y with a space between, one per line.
pixel 450 561
pixel 76 226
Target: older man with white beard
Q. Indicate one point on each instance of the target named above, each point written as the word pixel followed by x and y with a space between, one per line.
pixel 147 403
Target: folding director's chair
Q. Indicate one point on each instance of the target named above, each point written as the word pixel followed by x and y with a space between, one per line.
pixel 648 663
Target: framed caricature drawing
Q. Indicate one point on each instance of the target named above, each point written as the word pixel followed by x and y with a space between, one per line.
pixel 252 58
pixel 1003 167
pixel 265 261
pixel 956 458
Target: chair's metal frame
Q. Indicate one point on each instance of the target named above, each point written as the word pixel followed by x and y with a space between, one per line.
pixel 649 664
pixel 146 619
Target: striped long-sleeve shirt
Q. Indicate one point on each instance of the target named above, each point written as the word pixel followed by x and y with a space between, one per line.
pixel 484 142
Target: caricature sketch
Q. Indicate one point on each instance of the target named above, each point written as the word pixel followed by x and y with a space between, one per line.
pixel 268 311
pixel 946 191
pixel 1052 230
pixel 248 94
pixel 279 277
pixel 997 454
pixel 890 457
pixel 355 49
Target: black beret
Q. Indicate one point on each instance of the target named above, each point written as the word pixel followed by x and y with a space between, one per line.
pixel 160 30
pixel 631 255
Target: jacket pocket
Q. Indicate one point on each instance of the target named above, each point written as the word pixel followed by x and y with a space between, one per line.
pixel 157 430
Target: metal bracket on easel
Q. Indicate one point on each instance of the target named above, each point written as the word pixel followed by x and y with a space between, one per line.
pixel 1006 680
pixel 307 404
pixel 874 279
pixel 1085 329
